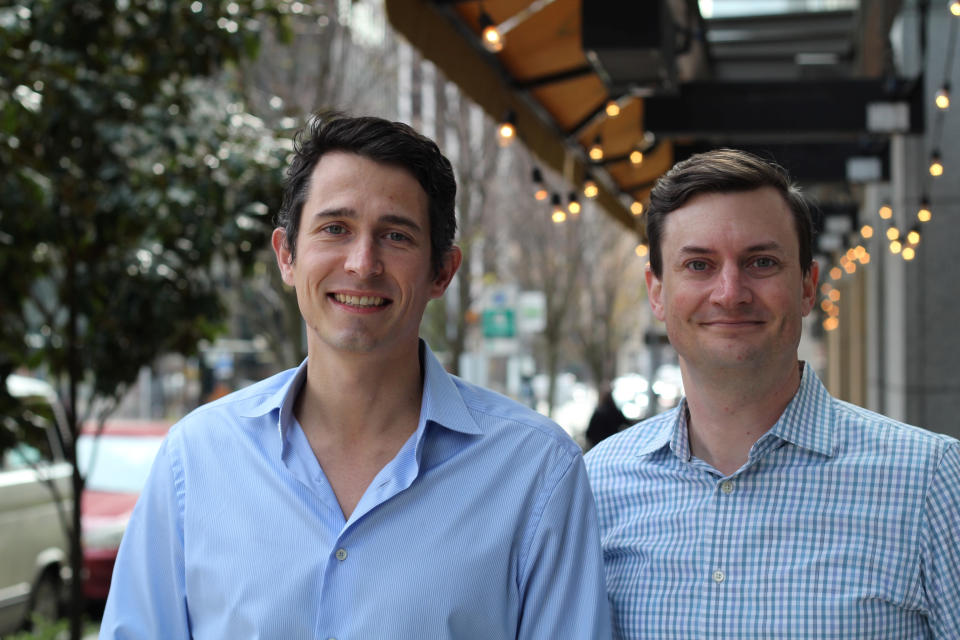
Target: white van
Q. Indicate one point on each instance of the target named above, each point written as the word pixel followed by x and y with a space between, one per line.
pixel 34 556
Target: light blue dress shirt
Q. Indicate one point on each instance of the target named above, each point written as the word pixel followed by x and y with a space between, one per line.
pixel 483 526
pixel 841 524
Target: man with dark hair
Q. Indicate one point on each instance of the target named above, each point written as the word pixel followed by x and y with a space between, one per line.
pixel 367 493
pixel 762 507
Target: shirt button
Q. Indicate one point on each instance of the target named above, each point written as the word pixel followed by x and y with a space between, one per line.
pixel 718 576
pixel 727 487
pixel 341 554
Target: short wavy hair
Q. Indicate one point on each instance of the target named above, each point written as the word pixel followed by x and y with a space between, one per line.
pixel 391 143
pixel 725 171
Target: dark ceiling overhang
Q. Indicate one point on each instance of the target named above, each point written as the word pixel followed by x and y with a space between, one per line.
pixel 804 89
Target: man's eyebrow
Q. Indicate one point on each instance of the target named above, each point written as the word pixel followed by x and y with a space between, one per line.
pixel 403 221
pixel 337 212
pixel 345 212
pixel 763 246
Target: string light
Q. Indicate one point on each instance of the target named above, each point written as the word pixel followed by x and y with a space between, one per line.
pixel 507 129
pixel 636 157
pixel 895 247
pixel 908 253
pixel 490 36
pixel 893 233
pixel 836 273
pixel 936 166
pixel 642 250
pixel 596 150
pixel 955 7
pixel 913 237
pixel 942 98
pixel 866 231
pixel 612 109
pixel 636 208
pixel 590 188
pixel 559 215
pixel 885 212
pixel 574 205
pixel 831 324
pixel 540 190
pixel 493 36
pixel 923 214
pixel 834 295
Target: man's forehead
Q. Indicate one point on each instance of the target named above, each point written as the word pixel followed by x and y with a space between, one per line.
pixel 754 219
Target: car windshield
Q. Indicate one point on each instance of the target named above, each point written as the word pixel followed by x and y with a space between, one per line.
pixel 120 463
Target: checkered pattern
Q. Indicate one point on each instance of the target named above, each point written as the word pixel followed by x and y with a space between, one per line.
pixel 842 524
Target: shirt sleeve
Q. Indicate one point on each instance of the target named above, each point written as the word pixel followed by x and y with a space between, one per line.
pixel 940 556
pixel 147 596
pixel 563 592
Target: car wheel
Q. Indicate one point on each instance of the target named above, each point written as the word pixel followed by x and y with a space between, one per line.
pixel 45 601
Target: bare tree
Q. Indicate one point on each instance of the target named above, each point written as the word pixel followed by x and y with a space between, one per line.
pixel 610 290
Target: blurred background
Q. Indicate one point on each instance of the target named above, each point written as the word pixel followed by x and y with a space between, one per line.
pixel 142 151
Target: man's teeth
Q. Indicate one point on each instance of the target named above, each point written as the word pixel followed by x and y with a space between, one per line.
pixel 358 301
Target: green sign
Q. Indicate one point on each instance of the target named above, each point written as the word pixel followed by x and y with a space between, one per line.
pixel 498 323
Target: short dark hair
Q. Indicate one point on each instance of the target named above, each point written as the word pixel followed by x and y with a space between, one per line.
pixel 725 171
pixel 392 143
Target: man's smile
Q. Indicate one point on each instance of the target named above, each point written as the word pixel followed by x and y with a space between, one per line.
pixel 360 301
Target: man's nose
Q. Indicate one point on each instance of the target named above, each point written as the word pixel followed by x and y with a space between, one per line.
pixel 363 258
pixel 731 287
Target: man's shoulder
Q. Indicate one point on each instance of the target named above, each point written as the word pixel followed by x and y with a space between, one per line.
pixel 497 414
pixel 634 441
pixel 251 401
pixel 868 430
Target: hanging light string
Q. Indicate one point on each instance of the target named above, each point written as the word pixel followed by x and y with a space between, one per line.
pixel 942 101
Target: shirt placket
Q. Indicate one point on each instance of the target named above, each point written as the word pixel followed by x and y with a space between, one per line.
pixel 720 569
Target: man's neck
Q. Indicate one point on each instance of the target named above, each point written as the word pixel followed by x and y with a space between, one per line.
pixel 357 412
pixel 350 397
pixel 728 413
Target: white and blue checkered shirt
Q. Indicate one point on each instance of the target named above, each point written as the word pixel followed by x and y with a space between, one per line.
pixel 842 524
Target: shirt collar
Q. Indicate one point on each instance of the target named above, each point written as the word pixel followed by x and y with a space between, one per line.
pixel 806 422
pixel 442 403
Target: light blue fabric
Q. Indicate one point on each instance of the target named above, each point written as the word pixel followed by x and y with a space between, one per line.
pixel 482 526
pixel 842 524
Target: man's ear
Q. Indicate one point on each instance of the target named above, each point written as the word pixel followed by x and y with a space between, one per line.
pixel 809 288
pixel 654 293
pixel 284 257
pixel 448 268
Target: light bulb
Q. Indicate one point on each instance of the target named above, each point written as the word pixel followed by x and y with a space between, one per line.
pixel 942 98
pixel 936 167
pixel 590 188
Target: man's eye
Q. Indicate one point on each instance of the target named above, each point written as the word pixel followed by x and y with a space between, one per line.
pixel 334 229
pixel 765 263
pixel 396 236
pixel 697 265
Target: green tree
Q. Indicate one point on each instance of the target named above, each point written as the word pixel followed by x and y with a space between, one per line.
pixel 126 177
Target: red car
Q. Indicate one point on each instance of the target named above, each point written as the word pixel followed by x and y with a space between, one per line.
pixel 116 464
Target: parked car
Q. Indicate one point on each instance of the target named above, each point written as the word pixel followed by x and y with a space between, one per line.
pixel 34 478
pixel 116 464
